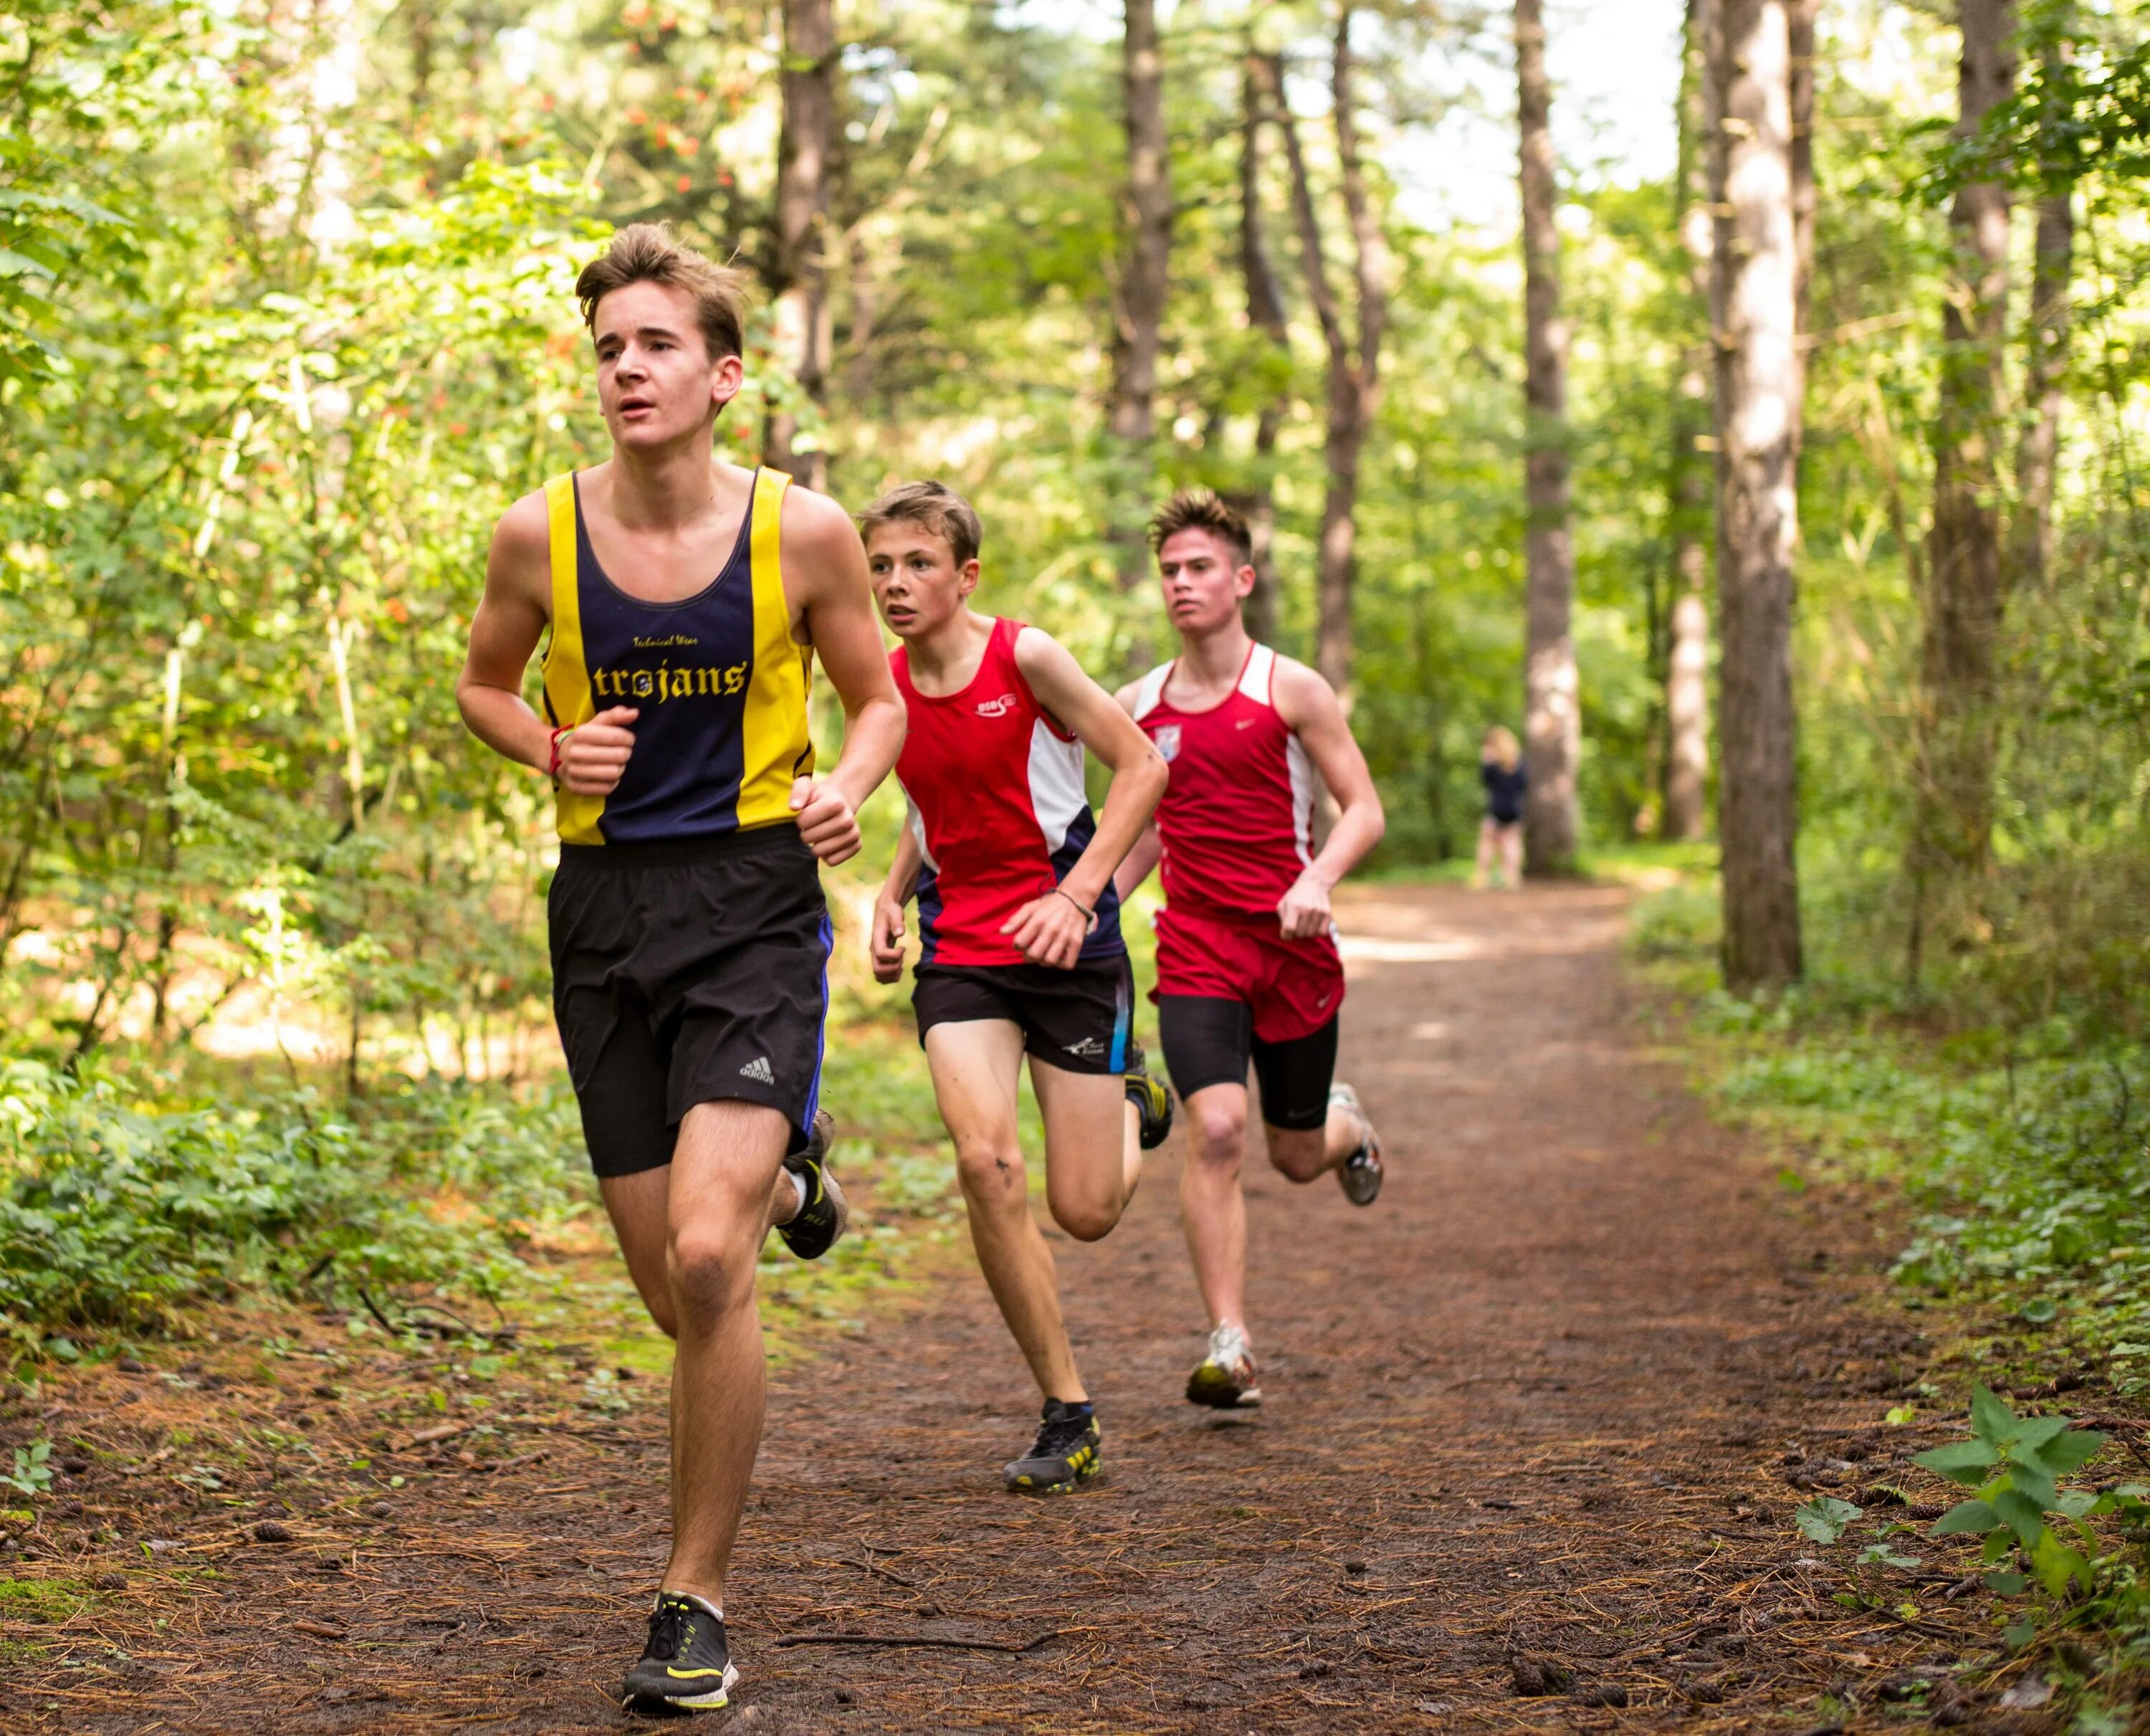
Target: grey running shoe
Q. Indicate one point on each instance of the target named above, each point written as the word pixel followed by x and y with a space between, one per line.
pixel 825 1212
pixel 1225 1378
pixel 1360 1174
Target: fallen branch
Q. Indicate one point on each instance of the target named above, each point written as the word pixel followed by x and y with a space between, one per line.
pixel 915 1639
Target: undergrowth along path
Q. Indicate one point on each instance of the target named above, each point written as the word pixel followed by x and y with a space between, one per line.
pixel 1529 1425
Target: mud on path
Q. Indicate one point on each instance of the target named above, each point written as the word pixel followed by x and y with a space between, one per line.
pixel 1527 1425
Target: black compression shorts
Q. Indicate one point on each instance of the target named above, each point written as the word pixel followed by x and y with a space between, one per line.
pixel 1207 1040
pixel 686 973
pixel 1078 1021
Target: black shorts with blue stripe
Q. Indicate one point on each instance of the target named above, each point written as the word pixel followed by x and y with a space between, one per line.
pixel 1079 1021
pixel 688 971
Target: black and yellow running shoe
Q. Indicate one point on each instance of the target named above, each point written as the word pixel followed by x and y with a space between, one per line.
pixel 1064 1454
pixel 687 1667
pixel 1151 1098
pixel 824 1211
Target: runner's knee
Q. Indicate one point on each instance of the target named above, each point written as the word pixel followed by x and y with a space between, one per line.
pixel 711 1270
pixel 1298 1156
pixel 1221 1132
pixel 1086 1220
pixel 990 1167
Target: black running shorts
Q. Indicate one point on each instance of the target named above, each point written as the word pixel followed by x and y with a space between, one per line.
pixel 1207 1041
pixel 1078 1021
pixel 688 972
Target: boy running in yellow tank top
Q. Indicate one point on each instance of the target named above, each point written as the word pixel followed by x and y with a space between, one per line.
pixel 687 598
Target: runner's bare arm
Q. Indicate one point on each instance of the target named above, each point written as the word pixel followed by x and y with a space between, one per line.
pixel 1141 862
pixel 510 620
pixel 1051 930
pixel 886 939
pixel 826 574
pixel 1310 706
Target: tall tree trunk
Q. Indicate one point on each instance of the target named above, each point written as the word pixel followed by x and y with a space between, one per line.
pixel 1687 662
pixel 1952 823
pixel 799 270
pixel 1799 17
pixel 1552 714
pixel 1265 314
pixel 1138 316
pixel 2031 532
pixel 1757 376
pixel 1353 392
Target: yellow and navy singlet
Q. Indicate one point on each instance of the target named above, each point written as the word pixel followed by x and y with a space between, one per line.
pixel 720 683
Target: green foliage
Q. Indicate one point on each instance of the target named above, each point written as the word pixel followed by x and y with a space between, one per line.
pixel 2014 1464
pixel 1825 1518
pixel 31 1474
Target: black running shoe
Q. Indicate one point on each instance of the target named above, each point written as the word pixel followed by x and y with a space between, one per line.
pixel 686 1667
pixel 822 1220
pixel 1152 1100
pixel 1064 1454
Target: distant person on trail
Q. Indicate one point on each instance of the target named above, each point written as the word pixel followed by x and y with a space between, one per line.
pixel 1247 965
pixel 1501 770
pixel 1019 931
pixel 687 598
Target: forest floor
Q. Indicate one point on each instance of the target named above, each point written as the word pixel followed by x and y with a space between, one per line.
pixel 1532 1421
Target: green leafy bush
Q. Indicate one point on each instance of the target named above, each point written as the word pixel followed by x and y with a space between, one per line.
pixel 2015 1463
pixel 112 1213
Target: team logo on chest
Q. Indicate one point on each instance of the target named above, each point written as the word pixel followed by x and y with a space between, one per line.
pixel 1168 742
pixel 998 708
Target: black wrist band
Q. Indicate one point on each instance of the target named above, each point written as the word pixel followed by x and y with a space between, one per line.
pixel 1087 912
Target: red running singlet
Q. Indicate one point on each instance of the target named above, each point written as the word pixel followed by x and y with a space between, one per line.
pixel 1237 818
pixel 997 805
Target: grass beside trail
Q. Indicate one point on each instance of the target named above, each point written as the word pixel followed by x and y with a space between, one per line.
pixel 2024 1153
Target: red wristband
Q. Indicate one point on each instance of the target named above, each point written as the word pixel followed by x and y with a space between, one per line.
pixel 553 770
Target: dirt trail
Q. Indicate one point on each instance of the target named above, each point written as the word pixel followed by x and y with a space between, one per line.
pixel 1529 1408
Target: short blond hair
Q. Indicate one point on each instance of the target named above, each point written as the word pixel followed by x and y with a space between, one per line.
pixel 935 505
pixel 646 253
pixel 1201 509
pixel 1501 744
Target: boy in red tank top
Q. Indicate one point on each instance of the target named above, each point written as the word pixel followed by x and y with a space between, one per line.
pixel 1019 931
pixel 1247 965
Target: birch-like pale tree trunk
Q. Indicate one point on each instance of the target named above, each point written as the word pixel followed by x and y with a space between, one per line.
pixel 1686 660
pixel 1758 379
pixel 1553 713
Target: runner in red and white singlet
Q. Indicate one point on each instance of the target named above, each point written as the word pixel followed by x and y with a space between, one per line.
pixel 1247 965
pixel 1236 826
pixel 1019 927
pixel 998 812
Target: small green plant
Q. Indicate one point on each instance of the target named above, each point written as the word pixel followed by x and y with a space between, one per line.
pixel 2014 1464
pixel 31 1474
pixel 1824 1519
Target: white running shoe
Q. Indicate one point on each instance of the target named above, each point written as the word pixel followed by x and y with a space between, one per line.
pixel 1225 1378
pixel 1360 1175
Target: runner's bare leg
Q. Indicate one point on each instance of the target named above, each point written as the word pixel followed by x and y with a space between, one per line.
pixel 723 1171
pixel 639 1206
pixel 1211 1209
pixel 976 1068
